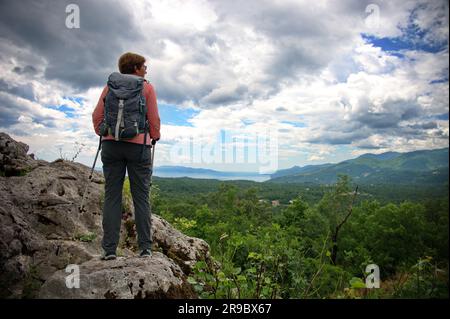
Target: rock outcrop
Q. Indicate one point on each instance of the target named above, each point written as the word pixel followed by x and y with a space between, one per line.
pixel 157 277
pixel 42 230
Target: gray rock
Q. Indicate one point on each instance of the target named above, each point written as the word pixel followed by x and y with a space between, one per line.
pixel 42 230
pixel 156 277
pixel 14 160
pixel 184 250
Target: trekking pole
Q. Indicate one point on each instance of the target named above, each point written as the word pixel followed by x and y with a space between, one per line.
pixel 90 175
pixel 153 157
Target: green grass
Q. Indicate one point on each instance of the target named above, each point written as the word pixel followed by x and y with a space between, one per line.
pixel 88 237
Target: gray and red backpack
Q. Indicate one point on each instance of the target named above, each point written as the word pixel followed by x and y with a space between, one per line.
pixel 125 114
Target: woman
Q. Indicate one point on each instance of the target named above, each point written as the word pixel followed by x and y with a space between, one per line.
pixel 118 156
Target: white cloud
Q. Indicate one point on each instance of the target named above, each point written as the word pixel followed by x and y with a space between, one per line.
pixel 245 66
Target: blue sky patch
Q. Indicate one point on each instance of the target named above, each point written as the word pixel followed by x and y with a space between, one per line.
pixel 68 111
pixel 175 115
pixel 403 43
pixel 413 38
pixel 296 124
pixel 78 100
pixel 443 117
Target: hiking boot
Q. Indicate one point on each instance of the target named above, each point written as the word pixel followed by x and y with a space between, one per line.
pixel 109 256
pixel 145 253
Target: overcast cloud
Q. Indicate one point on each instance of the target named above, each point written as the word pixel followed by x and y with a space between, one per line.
pixel 335 78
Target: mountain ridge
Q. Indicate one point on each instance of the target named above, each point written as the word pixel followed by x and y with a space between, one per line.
pixel 423 166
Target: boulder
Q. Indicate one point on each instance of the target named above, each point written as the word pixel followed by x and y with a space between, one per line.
pixel 43 229
pixel 184 250
pixel 14 160
pixel 155 277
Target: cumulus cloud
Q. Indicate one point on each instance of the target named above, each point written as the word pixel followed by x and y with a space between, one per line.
pixel 79 57
pixel 244 66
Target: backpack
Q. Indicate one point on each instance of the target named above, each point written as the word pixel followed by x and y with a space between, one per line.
pixel 125 112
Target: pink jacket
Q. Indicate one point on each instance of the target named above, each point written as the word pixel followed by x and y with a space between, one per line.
pixel 152 116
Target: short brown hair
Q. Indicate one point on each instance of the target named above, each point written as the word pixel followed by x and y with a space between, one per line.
pixel 128 61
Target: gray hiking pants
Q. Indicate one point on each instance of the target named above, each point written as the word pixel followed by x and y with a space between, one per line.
pixel 116 157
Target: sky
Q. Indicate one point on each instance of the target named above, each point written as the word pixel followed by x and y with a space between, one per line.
pixel 241 85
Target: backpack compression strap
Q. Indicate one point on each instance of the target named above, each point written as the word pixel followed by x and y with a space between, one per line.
pixel 120 119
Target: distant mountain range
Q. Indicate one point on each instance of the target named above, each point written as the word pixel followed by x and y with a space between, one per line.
pixel 419 167
pixel 182 171
pixel 428 167
pixel 203 173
